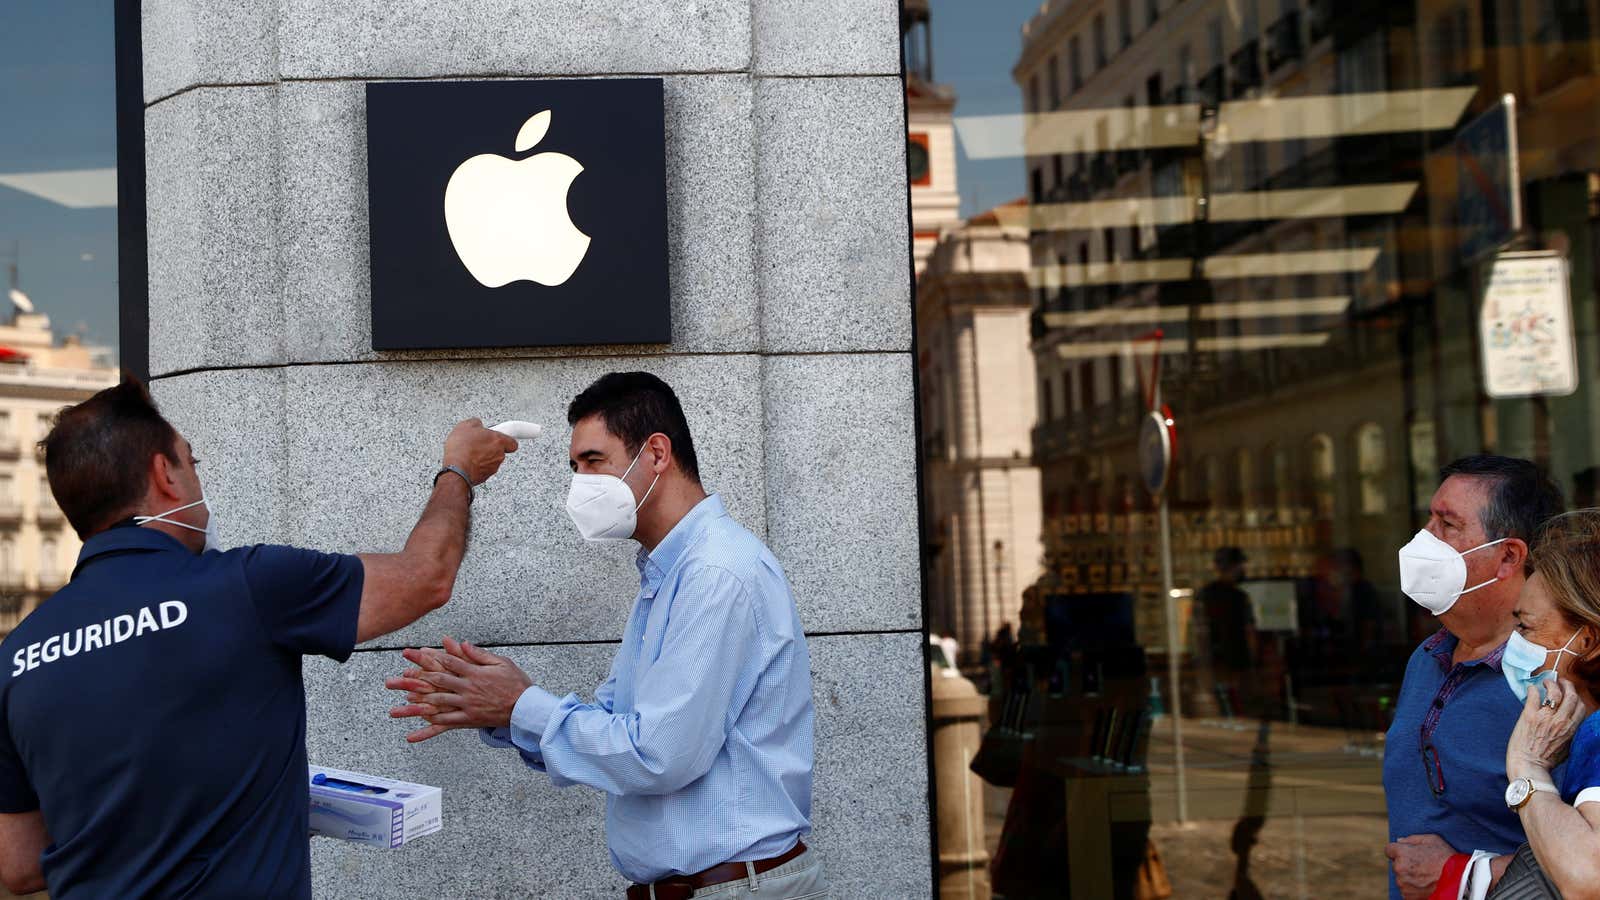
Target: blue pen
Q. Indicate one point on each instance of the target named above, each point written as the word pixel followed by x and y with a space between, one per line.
pixel 340 784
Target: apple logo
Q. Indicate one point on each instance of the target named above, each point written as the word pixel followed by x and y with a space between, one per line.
pixel 508 218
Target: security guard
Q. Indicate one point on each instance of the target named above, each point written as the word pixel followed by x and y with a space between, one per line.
pixel 152 714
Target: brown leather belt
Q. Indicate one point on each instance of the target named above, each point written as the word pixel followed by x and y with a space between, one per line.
pixel 682 887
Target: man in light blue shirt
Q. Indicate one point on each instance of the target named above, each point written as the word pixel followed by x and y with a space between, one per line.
pixel 701 736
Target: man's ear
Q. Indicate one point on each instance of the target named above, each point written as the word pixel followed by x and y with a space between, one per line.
pixel 164 476
pixel 1514 561
pixel 661 448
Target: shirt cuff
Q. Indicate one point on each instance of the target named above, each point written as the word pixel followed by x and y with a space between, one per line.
pixel 530 716
pixel 498 738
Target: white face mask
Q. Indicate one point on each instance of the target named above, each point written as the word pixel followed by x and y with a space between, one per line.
pixel 1434 575
pixel 210 531
pixel 602 505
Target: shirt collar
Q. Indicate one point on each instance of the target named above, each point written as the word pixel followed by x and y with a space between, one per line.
pixel 121 539
pixel 1443 644
pixel 654 565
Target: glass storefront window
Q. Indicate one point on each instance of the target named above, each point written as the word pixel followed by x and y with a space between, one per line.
pixel 58 180
pixel 1341 245
pixel 58 266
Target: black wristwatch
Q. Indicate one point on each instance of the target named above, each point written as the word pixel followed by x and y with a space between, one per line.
pixel 471 489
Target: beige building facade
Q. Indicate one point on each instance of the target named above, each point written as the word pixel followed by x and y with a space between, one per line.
pixel 981 521
pixel 982 491
pixel 38 376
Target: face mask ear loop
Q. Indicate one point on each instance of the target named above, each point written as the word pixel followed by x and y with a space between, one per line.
pixel 1488 544
pixel 653 481
pixel 1473 550
pixel 1564 649
pixel 629 471
pixel 145 520
pixel 647 494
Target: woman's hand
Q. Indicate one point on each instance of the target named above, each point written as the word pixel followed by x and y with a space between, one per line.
pixel 1544 732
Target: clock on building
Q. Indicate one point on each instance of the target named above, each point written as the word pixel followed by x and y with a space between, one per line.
pixel 917 167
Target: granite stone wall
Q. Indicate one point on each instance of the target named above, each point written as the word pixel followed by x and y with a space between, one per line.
pixel 792 332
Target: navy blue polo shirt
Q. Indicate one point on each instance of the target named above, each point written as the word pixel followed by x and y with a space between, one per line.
pixel 153 710
pixel 1468 711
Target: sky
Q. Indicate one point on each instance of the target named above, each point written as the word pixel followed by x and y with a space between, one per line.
pixel 975 44
pixel 58 113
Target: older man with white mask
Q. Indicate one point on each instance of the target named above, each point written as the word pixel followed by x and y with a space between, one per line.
pixel 1444 758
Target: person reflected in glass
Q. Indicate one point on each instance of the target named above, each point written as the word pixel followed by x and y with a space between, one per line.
pixel 1230 631
pixel 1003 650
pixel 1359 604
pixel 1443 765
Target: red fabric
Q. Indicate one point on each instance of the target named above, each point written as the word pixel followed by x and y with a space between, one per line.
pixel 1449 887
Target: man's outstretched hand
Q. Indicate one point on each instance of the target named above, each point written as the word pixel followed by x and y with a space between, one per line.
pixel 461 686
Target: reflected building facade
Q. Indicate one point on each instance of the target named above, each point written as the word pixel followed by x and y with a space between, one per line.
pixel 981 522
pixel 1284 214
pixel 38 377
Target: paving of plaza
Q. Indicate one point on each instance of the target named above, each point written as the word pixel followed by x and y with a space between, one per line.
pixel 1311 795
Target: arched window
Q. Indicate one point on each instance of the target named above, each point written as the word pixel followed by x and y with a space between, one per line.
pixel 1322 460
pixel 1372 465
pixel 1244 467
pixel 1211 488
pixel 1281 485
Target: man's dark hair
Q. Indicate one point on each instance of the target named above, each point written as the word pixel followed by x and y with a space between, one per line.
pixel 1226 558
pixel 97 456
pixel 1350 558
pixel 635 405
pixel 1521 496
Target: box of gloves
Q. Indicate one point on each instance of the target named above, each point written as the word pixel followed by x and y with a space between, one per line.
pixel 367 809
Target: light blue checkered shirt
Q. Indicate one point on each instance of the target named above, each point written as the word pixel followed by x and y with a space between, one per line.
pixel 702 735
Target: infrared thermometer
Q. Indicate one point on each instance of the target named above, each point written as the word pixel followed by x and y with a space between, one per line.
pixel 518 430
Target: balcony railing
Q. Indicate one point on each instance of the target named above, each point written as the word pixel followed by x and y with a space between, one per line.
pixel 50 514
pixel 1283 42
pixel 1245 66
pixel 1211 86
pixel 1319 18
pixel 1078 190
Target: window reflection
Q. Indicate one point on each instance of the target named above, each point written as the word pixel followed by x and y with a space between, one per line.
pixel 1293 207
pixel 58 264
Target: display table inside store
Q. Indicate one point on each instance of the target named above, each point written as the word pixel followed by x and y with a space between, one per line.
pixel 1231 773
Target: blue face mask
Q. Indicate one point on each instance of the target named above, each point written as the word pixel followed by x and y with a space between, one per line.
pixel 1522 656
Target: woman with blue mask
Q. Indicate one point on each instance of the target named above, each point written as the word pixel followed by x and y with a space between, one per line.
pixel 1552 663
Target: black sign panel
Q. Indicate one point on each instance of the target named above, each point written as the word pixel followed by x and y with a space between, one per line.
pixel 517 213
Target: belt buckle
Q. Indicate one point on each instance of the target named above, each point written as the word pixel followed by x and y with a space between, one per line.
pixel 674 889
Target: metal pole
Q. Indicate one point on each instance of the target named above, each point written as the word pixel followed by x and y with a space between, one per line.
pixel 1176 704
